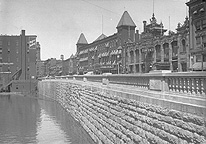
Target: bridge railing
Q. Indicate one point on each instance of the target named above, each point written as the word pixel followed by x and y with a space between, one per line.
pixel 193 83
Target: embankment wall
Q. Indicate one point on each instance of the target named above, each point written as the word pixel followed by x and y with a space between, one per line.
pixel 110 118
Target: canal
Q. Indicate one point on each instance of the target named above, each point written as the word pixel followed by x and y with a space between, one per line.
pixel 25 120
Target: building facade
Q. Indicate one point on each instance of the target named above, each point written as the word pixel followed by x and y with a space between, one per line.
pixel 156 51
pixel 127 51
pixel 105 54
pixel 197 42
pixel 17 57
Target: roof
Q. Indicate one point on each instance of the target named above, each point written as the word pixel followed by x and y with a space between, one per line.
pixel 126 20
pixel 102 36
pixel 82 39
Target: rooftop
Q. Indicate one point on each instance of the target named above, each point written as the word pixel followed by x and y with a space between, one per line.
pixel 126 20
pixel 82 39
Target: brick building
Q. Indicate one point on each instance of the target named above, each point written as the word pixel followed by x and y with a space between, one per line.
pixel 17 57
pixel 105 53
pixel 127 51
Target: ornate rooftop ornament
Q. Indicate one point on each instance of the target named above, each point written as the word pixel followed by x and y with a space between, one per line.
pixel 153 19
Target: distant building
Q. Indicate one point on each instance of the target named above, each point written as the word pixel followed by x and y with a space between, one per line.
pixel 39 63
pixel 53 67
pixel 17 57
pixel 40 69
pixel 197 25
pixel 38 52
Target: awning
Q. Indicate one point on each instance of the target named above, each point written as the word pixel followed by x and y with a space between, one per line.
pixel 161 64
pixel 198 66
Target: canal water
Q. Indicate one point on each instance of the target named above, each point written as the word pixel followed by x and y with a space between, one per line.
pixel 25 120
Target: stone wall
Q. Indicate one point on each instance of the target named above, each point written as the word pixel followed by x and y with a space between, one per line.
pixel 113 119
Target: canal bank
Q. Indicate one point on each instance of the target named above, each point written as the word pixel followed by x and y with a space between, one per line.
pixel 26 119
pixel 111 117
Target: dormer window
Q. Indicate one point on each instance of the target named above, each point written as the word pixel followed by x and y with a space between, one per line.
pixel 202 10
pixel 195 12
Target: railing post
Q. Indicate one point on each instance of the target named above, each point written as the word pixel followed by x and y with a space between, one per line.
pixel 165 84
pixel 105 80
pixel 84 79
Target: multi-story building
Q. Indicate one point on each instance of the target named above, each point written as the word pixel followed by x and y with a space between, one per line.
pixel 154 50
pixel 128 51
pixel 197 26
pixel 17 57
pixel 39 62
pixel 105 53
pixel 53 67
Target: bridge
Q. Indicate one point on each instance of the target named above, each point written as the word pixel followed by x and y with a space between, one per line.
pixel 134 108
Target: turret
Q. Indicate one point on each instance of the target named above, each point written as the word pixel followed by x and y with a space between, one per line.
pixel 81 42
pixel 126 28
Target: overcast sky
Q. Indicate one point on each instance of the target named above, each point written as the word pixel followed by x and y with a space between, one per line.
pixel 59 23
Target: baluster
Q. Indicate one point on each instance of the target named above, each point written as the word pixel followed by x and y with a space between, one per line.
pixel 184 85
pixel 181 85
pixel 198 86
pixel 193 86
pixel 173 84
pixel 189 84
pixel 176 85
pixel 202 90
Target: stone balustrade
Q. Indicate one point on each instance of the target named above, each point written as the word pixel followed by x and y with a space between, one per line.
pixel 112 119
pixel 192 83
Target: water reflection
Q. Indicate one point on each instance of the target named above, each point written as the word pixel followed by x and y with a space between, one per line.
pixel 27 120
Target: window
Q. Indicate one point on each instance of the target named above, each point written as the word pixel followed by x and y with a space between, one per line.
pixel 198 40
pixel 198 25
pixel 8 42
pixel 17 43
pixel 204 24
pixel 17 50
pixel 204 58
pixel 183 46
pixel 198 58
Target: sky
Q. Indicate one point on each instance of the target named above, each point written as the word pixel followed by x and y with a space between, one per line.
pixel 59 23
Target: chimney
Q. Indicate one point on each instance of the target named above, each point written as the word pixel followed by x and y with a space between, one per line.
pixel 137 36
pixel 23 32
pixel 144 28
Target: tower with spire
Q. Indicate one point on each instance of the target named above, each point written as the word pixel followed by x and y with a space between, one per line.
pixel 81 42
pixel 126 28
